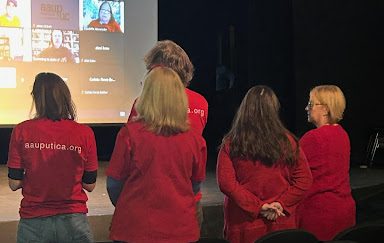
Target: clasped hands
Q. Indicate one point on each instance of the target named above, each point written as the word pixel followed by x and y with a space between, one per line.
pixel 272 211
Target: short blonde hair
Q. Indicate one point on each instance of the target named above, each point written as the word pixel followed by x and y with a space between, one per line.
pixel 163 103
pixel 332 97
pixel 167 53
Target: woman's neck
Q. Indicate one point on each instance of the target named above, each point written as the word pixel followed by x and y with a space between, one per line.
pixel 327 124
pixel 323 122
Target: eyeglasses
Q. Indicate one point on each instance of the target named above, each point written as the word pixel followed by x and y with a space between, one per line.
pixel 105 11
pixel 310 104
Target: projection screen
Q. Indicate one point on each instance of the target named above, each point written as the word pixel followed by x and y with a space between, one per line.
pixel 101 60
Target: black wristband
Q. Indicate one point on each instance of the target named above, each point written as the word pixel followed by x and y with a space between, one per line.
pixel 89 177
pixel 15 174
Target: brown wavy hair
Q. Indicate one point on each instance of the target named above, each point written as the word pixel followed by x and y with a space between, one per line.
pixel 52 98
pixel 257 132
pixel 167 53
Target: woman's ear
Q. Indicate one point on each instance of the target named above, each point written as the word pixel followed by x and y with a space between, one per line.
pixel 325 110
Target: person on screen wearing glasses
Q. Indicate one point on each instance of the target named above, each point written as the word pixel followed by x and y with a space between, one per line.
pixel 56 51
pixel 105 19
pixel 9 19
pixel 52 159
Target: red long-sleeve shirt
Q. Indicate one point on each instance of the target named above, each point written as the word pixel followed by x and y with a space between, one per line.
pixel 157 203
pixel 247 185
pixel 329 207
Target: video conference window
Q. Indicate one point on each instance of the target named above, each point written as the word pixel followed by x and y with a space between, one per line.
pixel 14 34
pixel 103 16
pixel 86 42
pixel 11 44
pixel 55 45
pixel 10 15
pixel 51 31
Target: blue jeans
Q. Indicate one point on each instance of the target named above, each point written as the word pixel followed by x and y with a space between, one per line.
pixel 64 228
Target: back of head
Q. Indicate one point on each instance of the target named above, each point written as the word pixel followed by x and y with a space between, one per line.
pixel 167 53
pixel 333 98
pixel 257 132
pixel 163 103
pixel 260 106
pixel 52 98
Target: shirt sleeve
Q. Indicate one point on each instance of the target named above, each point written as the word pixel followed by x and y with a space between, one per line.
pixel 15 150
pixel 119 163
pixel 114 188
pixel 311 147
pixel 92 162
pixel 300 182
pixel 15 174
pixel 89 177
pixel 205 118
pixel 116 27
pixel 228 184
pixel 200 161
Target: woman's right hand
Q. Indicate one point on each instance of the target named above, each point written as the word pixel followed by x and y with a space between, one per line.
pixel 272 211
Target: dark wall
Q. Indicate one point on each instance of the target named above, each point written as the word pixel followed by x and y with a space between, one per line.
pixel 288 45
pixel 197 27
pixel 291 46
pixel 341 42
pixel 260 53
pixel 269 51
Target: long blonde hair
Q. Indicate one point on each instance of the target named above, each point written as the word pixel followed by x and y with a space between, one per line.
pixel 163 102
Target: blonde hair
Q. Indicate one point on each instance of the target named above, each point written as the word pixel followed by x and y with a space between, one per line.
pixel 163 103
pixel 332 97
pixel 167 53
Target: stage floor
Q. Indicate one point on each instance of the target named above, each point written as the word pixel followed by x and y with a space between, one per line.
pixel 366 185
pixel 99 203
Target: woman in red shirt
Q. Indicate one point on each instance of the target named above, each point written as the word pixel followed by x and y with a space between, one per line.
pixel 53 159
pixel 105 20
pixel 159 160
pixel 261 170
pixel 329 207
pixel 167 53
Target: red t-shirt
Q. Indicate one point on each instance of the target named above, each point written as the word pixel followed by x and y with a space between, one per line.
pixel 329 206
pixel 54 156
pixel 247 185
pixel 157 201
pixel 112 26
pixel 197 110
